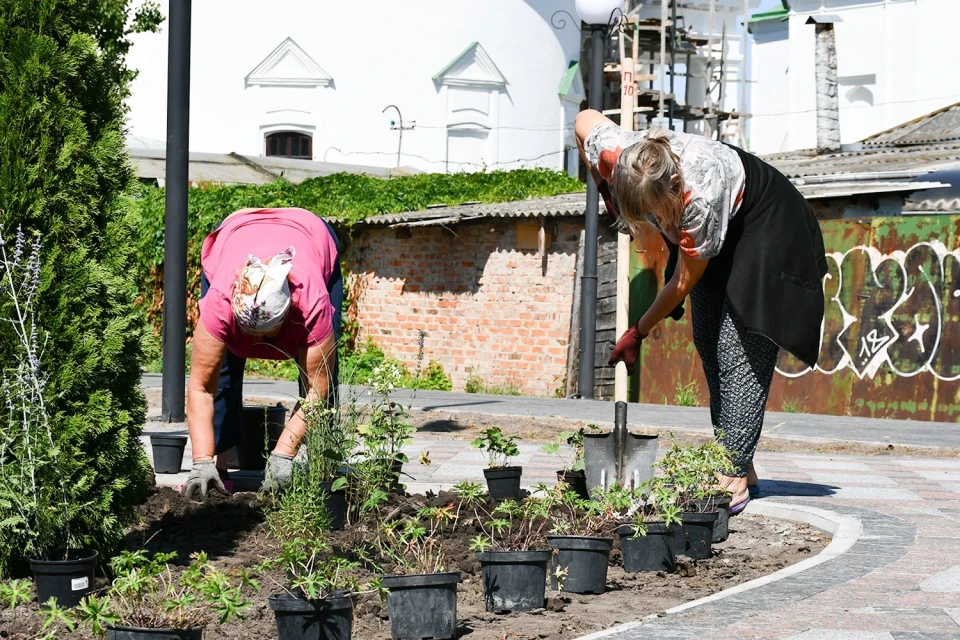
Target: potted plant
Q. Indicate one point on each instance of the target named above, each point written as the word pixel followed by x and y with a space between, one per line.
pixel 38 510
pixel 327 445
pixel 167 452
pixel 146 601
pixel 581 546
pixel 503 481
pixel 387 428
pixel 693 471
pixel 649 519
pixel 317 600
pixel 421 594
pixel 572 473
pixel 513 552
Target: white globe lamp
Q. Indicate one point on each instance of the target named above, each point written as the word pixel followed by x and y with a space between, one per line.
pixel 597 11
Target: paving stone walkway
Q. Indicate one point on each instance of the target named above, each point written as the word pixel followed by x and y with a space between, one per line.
pixel 899 581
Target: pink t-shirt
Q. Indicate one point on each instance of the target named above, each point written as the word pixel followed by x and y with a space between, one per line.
pixel 265 233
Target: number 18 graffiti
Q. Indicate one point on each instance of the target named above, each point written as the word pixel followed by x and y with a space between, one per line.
pixel 900 309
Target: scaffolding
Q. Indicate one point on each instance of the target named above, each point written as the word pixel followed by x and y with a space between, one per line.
pixel 660 48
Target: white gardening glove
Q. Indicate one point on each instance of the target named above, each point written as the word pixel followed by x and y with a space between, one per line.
pixel 278 473
pixel 203 477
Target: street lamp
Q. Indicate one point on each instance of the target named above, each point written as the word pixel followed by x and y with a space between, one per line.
pixel 597 13
pixel 600 16
pixel 175 212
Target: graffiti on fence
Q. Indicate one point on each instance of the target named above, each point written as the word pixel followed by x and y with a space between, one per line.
pixel 900 309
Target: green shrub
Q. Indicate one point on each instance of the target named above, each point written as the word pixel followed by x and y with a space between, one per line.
pixel 476 384
pixel 434 378
pixel 687 395
pixel 65 175
pixel 357 367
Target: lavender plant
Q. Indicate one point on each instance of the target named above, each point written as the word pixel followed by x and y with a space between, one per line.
pixel 35 510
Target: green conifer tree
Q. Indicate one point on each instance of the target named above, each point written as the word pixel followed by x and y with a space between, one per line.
pixel 65 178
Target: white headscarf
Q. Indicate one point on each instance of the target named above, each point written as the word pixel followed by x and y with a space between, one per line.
pixel 261 293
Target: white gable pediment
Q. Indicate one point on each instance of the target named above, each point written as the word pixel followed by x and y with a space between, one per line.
pixel 472 68
pixel 288 66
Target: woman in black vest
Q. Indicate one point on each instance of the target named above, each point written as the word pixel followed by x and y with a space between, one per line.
pixel 751 258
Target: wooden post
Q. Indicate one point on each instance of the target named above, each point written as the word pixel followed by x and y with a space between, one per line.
pixel 573 345
pixel 628 100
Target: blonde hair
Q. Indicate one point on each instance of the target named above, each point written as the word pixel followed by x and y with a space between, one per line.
pixel 643 182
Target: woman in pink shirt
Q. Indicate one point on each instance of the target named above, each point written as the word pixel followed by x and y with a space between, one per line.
pixel 271 288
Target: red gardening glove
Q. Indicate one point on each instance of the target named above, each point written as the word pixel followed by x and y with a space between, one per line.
pixel 627 349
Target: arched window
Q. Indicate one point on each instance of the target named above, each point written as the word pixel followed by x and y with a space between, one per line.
pixel 290 144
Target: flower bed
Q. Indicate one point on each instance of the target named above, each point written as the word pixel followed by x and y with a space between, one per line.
pixel 233 533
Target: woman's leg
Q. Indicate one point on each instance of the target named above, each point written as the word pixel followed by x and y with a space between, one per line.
pixel 707 314
pixel 335 290
pixel 746 362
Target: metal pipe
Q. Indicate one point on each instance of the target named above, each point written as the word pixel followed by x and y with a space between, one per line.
pixel 673 56
pixel 588 289
pixel 175 213
pixel 620 438
pixel 399 117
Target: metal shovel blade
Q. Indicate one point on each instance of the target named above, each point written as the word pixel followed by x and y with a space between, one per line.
pixel 638 459
pixel 599 460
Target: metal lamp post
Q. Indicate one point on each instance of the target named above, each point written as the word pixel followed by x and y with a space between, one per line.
pixel 600 16
pixel 175 213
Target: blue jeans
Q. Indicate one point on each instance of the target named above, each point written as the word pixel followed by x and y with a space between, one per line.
pixel 228 403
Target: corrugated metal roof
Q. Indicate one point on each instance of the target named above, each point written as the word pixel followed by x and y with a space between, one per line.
pixel 566 205
pixel 574 204
pixel 845 189
pixel 919 159
pixel 939 126
pixel 234 168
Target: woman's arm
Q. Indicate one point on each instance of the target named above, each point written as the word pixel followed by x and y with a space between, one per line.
pixel 583 124
pixel 316 371
pixel 688 273
pixel 684 278
pixel 205 364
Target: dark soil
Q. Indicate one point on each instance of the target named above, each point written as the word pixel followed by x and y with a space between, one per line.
pixel 232 533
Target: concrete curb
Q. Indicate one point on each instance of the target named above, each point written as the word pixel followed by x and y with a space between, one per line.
pixel 844 530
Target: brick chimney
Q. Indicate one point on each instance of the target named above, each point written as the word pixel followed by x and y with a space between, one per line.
pixel 828 102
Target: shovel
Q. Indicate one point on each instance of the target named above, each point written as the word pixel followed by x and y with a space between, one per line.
pixel 618 457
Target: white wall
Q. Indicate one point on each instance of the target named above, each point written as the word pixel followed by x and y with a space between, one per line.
pixel 771 61
pixel 377 53
pixel 895 62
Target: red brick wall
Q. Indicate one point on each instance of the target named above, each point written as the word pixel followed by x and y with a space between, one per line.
pixel 486 306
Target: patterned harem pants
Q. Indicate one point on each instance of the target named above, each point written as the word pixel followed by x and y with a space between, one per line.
pixel 738 365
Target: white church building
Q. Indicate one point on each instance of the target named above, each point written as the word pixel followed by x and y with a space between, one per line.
pixel 476 84
pixel 896 60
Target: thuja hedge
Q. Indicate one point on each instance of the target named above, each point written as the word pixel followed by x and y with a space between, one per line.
pixel 345 198
pixel 65 180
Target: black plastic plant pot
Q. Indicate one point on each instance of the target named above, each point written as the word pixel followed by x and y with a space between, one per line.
pixel 66 580
pixel 336 504
pixel 695 537
pixel 576 480
pixel 514 580
pixel 300 619
pixel 422 606
pixel 139 633
pixel 260 429
pixel 720 504
pixel 583 562
pixel 503 483
pixel 655 551
pixel 168 453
